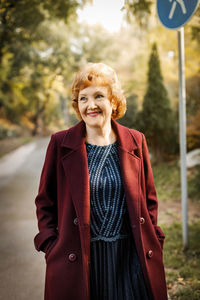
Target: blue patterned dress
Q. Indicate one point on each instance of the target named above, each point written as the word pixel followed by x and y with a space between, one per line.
pixel 115 272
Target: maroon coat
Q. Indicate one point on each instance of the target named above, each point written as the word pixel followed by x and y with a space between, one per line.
pixel 63 212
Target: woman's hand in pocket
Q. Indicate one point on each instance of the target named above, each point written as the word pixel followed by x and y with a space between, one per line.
pixel 48 244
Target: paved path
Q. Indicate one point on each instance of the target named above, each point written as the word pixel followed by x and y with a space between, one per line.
pixel 22 268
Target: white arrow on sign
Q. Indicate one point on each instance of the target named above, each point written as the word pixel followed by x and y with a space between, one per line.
pixel 182 4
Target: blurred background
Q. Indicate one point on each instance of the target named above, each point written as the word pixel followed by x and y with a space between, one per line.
pixel 42 45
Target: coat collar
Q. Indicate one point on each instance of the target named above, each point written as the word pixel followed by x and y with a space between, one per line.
pixel 75 136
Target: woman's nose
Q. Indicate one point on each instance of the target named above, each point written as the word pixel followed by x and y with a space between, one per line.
pixel 92 103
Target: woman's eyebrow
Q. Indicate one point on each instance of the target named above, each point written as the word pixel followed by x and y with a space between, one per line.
pixel 99 92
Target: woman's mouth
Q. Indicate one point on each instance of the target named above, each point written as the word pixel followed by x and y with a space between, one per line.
pixel 93 114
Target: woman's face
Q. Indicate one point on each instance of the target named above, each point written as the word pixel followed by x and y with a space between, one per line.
pixel 94 106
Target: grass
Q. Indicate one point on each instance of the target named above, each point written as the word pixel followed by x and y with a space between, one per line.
pixel 167 180
pixel 182 266
pixel 168 185
pixel 194 183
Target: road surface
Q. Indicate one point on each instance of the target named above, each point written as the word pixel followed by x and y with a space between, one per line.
pixel 22 268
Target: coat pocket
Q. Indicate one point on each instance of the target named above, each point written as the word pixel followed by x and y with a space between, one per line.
pixel 160 235
pixel 50 247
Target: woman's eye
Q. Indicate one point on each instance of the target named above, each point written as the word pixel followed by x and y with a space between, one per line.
pixel 99 96
pixel 82 99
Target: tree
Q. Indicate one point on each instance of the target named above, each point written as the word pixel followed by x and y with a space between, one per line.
pixel 141 9
pixel 129 119
pixel 25 42
pixel 19 20
pixel 195 25
pixel 157 119
pixel 193 131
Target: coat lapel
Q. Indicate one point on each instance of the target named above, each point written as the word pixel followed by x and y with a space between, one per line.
pixel 130 169
pixel 76 169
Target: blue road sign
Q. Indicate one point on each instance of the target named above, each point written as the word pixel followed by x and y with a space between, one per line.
pixel 176 13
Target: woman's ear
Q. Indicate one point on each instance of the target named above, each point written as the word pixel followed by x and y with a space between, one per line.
pixel 113 104
pixel 114 110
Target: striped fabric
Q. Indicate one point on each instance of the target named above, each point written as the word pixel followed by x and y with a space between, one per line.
pixel 115 272
pixel 107 194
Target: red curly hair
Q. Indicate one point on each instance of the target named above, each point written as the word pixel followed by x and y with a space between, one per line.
pixel 101 75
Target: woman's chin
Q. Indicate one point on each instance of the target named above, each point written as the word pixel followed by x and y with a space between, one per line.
pixel 94 124
pixel 93 121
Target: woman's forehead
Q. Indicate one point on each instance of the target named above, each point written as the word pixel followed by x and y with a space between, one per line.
pixel 92 89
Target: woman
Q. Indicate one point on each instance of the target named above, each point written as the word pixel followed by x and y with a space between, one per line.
pixel 97 204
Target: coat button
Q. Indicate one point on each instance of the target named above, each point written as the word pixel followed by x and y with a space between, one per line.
pixel 142 220
pixel 76 221
pixel 149 253
pixel 72 257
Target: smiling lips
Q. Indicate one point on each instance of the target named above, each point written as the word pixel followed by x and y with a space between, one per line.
pixel 93 114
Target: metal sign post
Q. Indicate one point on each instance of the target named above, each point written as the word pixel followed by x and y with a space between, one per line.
pixel 182 125
pixel 174 14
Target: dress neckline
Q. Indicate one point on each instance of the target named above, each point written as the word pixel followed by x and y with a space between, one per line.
pixel 104 146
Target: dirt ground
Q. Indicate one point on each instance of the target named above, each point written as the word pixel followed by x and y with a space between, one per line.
pixel 171 211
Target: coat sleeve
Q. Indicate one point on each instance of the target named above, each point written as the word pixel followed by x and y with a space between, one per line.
pixel 151 196
pixel 46 200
